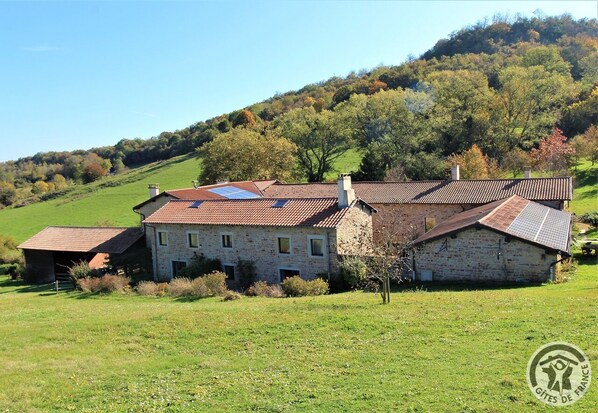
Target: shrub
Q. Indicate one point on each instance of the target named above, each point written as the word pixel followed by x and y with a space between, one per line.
pixel 199 288
pixel 180 287
pixel 105 284
pixel 230 296
pixel 590 218
pixel 262 289
pixel 353 271
pixel 200 266
pixel 246 270
pixel 82 270
pixel 297 287
pixel 151 288
pixel 216 283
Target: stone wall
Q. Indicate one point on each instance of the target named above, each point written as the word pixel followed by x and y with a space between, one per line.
pixel 257 244
pixel 483 256
pixel 406 222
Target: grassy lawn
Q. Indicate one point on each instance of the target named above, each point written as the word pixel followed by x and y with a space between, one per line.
pixel 438 350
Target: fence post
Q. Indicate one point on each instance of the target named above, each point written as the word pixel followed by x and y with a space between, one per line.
pixel 56 286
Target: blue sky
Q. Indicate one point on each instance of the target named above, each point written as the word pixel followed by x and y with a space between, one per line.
pixel 75 75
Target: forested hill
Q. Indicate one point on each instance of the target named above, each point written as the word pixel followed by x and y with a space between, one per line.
pixel 497 88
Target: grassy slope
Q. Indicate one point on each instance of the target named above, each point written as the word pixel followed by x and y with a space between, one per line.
pixel 438 351
pixel 585 195
pixel 98 202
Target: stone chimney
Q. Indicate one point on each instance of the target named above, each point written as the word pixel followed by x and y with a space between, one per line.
pixel 346 194
pixel 154 190
pixel 527 173
pixel 455 172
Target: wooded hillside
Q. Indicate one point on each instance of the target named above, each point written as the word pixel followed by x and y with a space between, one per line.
pixel 489 94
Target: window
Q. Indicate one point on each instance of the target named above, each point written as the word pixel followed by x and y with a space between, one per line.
pixel 316 246
pixel 429 223
pixel 288 273
pixel 177 266
pixel 227 241
pixel 162 238
pixel 284 245
pixel 193 240
pixel 229 270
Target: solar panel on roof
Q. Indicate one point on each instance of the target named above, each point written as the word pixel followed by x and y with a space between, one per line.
pixel 280 203
pixel 232 192
pixel 196 204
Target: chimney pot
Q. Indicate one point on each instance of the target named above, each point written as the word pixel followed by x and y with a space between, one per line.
pixel 154 190
pixel 527 173
pixel 455 175
pixel 346 194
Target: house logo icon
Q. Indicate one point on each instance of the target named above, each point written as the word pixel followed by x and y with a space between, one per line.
pixel 559 374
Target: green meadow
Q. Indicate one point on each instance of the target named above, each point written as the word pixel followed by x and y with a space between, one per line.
pixel 432 349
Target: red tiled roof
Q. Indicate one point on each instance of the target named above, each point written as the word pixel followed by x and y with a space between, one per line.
pixel 436 192
pixel 515 216
pixel 304 212
pixel 203 192
pixel 109 240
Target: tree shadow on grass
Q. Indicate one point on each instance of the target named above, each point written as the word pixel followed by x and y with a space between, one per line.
pixel 435 286
pixel 19 286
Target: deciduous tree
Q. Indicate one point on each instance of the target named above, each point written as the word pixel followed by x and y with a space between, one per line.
pixel 242 154
pixel 553 154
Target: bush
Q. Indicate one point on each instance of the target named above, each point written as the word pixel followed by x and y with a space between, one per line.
pixel 200 289
pixel 105 284
pixel 262 289
pixel 216 283
pixel 82 270
pixel 180 287
pixel 353 271
pixel 246 270
pixel 297 287
pixel 151 288
pixel 231 296
pixel 200 266
pixel 590 218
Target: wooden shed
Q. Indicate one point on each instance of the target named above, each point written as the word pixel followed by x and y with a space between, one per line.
pixel 49 254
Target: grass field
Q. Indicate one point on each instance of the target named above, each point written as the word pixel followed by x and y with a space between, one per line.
pixel 585 193
pixel 428 351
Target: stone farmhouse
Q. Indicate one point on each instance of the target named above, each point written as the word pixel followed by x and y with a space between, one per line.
pixel 304 229
pixel 282 237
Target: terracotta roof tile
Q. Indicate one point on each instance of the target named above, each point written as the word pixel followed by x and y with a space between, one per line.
pixel 83 239
pixel 304 212
pixel 515 216
pixel 436 192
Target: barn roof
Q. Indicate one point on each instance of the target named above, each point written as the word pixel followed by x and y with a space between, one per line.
pixel 214 191
pixel 303 212
pixel 436 192
pixel 514 216
pixel 108 240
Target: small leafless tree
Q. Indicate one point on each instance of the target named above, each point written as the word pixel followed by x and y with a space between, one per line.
pixel 385 253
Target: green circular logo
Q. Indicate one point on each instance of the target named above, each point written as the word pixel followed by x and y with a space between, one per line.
pixel 559 374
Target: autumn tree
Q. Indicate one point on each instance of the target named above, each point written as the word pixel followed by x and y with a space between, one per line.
pixel 473 164
pixel 516 161
pixel 40 188
pixel 8 193
pixel 244 118
pixel 553 154
pixel 586 145
pixel 243 154
pixel 59 182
